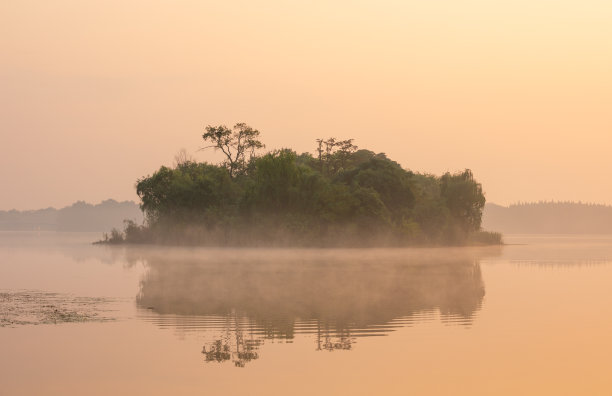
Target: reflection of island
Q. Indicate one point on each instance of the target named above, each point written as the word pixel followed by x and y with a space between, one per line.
pixel 247 296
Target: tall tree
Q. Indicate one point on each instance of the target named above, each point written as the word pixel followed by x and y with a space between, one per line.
pixel 234 143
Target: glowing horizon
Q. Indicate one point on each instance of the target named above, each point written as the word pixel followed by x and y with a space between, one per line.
pixel 95 95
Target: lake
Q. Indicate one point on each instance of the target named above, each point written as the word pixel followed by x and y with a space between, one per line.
pixel 531 317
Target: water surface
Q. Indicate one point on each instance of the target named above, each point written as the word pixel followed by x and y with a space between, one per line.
pixel 533 317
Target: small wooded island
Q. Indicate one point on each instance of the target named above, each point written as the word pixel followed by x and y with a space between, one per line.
pixel 341 196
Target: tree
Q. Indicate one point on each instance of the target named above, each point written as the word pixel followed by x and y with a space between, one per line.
pixel 335 154
pixel 464 199
pixel 193 192
pixel 182 158
pixel 234 143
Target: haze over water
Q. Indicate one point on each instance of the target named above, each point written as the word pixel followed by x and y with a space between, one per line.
pixel 532 317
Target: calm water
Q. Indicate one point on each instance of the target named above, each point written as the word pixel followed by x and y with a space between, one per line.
pixel 534 317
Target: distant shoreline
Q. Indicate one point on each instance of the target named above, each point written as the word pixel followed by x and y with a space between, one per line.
pixel 571 218
pixel 78 217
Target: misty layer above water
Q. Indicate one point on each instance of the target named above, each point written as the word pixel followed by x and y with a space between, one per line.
pixel 243 297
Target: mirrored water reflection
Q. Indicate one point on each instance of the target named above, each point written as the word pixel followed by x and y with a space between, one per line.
pixel 237 300
pixel 400 321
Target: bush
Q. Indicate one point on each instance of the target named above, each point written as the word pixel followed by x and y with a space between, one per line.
pixel 486 238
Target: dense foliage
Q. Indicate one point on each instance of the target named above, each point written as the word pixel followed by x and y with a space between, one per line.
pixel 341 196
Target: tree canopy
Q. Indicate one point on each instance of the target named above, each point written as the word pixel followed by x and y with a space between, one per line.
pixel 339 196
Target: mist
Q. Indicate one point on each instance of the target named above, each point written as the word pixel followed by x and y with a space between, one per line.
pixel 247 297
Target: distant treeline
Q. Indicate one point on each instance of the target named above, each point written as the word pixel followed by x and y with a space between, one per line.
pixel 339 196
pixel 549 218
pixel 80 216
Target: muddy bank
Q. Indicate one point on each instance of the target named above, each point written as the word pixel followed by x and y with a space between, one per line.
pixel 29 307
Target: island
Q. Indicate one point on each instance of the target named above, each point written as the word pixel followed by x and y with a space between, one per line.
pixel 339 196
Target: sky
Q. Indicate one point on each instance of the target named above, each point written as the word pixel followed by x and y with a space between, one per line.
pixel 96 94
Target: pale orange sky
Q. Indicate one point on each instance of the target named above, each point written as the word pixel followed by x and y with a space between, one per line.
pixel 95 94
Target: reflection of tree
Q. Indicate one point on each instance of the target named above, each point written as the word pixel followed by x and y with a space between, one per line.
pixel 326 340
pixel 217 352
pixel 275 294
pixel 234 345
